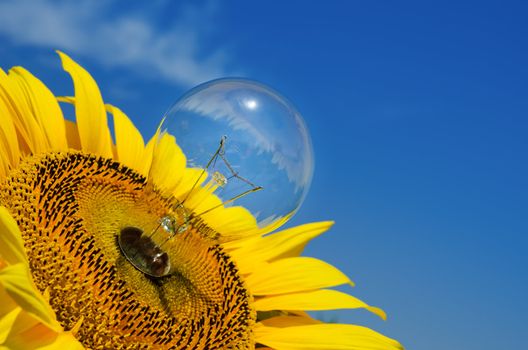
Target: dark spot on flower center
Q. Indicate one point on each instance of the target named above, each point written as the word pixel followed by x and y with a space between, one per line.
pixel 143 253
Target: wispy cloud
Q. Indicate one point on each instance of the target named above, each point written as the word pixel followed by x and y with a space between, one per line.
pixel 115 35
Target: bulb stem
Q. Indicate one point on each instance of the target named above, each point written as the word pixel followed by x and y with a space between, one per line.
pixel 213 158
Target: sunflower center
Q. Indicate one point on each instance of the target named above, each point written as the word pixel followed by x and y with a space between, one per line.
pixel 95 244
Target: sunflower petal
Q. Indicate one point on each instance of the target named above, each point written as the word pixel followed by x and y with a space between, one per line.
pixel 11 246
pixel 31 138
pixel 16 280
pixel 284 244
pixel 289 321
pixel 168 163
pixel 15 323
pixel 294 275
pixel 324 337
pixel 44 107
pixel 7 322
pixel 72 135
pixel 233 223
pixel 21 330
pixel 313 301
pixel 6 306
pixel 64 340
pixel 28 334
pixel 9 151
pixel 129 142
pixel 89 109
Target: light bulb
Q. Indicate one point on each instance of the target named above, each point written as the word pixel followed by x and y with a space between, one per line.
pixel 251 148
pixel 252 143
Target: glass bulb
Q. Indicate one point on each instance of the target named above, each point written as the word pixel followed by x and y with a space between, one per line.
pixel 252 142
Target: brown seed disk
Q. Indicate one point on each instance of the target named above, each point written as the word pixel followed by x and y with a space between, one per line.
pixel 70 208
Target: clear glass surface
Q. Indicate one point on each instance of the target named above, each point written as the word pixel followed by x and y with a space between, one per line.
pixel 255 142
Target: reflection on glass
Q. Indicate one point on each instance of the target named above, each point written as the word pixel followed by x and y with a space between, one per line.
pixel 260 140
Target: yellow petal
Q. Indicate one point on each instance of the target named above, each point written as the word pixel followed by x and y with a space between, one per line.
pixel 233 223
pixel 16 281
pixel 294 275
pixel 11 246
pixel 289 321
pixel 192 178
pixel 287 243
pixel 44 107
pixel 7 322
pixel 170 174
pixel 16 287
pixel 276 224
pixel 64 340
pixel 17 323
pixel 66 99
pixel 129 142
pixel 9 151
pixel 30 335
pixel 6 306
pixel 89 110
pixel 313 301
pixel 324 336
pixel 72 135
pixel 15 99
pixel 201 199
pixel 168 163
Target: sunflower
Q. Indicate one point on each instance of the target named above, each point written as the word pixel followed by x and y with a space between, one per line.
pixel 70 194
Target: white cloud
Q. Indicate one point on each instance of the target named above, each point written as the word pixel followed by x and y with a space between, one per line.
pixel 116 36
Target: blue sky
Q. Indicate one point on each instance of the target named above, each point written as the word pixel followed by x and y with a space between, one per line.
pixel 418 115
